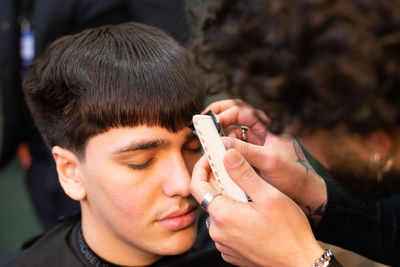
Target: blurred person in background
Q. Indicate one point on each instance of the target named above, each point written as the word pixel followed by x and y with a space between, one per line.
pixel 27 27
pixel 327 72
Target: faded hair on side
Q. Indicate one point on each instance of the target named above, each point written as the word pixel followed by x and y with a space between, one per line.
pixel 112 76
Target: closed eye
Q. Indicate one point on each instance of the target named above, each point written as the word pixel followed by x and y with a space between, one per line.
pixel 141 166
pixel 193 145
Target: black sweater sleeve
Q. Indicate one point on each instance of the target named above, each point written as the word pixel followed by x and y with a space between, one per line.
pixel 370 229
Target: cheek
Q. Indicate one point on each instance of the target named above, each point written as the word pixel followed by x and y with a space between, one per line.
pixel 133 201
pixel 120 191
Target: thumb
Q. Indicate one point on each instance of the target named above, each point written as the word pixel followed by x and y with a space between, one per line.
pixel 244 176
pixel 256 155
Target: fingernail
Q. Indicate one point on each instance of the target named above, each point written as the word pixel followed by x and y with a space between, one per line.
pixel 234 160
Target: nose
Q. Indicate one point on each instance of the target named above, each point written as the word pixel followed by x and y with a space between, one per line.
pixel 177 177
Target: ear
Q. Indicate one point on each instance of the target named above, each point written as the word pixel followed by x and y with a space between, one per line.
pixel 381 142
pixel 68 173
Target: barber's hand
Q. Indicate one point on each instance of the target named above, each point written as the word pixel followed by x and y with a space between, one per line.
pixel 231 112
pixel 269 231
pixel 279 160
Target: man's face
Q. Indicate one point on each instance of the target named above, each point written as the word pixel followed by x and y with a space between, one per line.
pixel 349 164
pixel 138 200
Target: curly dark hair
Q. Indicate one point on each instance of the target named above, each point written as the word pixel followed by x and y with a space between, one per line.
pixel 308 63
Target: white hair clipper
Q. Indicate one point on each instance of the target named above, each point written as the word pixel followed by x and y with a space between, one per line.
pixel 207 129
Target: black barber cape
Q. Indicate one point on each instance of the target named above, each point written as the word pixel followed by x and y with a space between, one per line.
pixel 64 246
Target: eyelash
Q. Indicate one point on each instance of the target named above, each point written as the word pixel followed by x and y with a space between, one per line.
pixel 141 166
pixel 197 150
pixel 147 164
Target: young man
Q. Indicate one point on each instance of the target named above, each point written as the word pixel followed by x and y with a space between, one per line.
pixel 113 103
pixel 49 20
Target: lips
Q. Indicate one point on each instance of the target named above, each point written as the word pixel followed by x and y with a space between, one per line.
pixel 179 219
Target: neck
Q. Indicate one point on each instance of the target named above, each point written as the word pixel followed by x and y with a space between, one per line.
pixel 310 143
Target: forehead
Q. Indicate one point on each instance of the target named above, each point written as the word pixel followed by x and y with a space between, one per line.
pixel 117 138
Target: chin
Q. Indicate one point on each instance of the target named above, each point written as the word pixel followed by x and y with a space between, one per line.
pixel 179 242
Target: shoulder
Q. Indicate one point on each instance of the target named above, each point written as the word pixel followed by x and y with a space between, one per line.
pixel 50 249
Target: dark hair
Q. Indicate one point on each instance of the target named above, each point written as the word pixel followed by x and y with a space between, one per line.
pixel 309 63
pixel 111 76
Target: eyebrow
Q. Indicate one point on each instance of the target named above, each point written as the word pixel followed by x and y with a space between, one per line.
pixel 143 145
